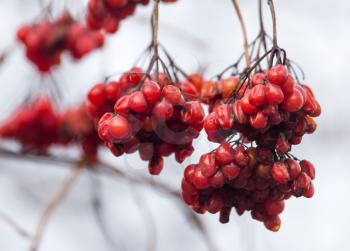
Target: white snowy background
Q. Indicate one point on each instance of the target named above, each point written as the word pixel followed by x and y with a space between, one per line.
pixel 198 33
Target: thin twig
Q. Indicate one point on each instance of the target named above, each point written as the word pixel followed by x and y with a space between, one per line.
pixel 244 31
pixel 274 22
pixel 111 172
pixel 147 217
pixel 14 225
pixel 55 201
pixel 98 210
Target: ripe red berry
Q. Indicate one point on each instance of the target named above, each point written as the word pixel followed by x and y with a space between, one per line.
pixel 274 94
pixel 258 121
pixel 258 79
pixel 224 154
pixel 257 95
pixel 274 207
pixel 294 102
pixel 151 91
pixel 208 165
pixel 163 110
pixel 293 168
pixel 199 180
pixel 230 171
pixel 273 223
pixel 137 102
pixel 119 128
pixel 277 75
pixel 172 94
pixel 308 168
pixel 280 173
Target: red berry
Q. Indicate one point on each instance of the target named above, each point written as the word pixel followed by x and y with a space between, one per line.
pixel 274 94
pixel 294 102
pixel 280 173
pixel 294 168
pixel 156 165
pixel 224 154
pixel 274 207
pixel 277 75
pixel 163 110
pixel 257 95
pixel 151 91
pixel 137 102
pixel 119 128
pixel 225 116
pixel 273 223
pixel 172 94
pixel 258 79
pixel 199 180
pixel 258 121
pixel 122 105
pixel 247 107
pixel 230 171
pixel 208 165
pixel 308 168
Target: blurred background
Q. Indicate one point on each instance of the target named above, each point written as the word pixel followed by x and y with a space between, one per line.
pixel 200 34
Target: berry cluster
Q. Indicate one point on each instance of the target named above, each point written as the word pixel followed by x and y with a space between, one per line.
pixel 34 125
pixel 107 14
pixel 45 41
pixel 38 126
pixel 252 179
pixel 153 118
pixel 76 127
pixel 271 109
pixel 102 97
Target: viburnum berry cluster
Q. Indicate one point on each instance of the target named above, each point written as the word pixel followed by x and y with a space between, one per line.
pixel 271 109
pixel 108 14
pixel 268 107
pixel 46 40
pixel 247 179
pixel 154 118
pixel 34 125
pixel 38 125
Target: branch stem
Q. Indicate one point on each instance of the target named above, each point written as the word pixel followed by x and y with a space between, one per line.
pixel 244 31
pixel 55 201
pixel 274 22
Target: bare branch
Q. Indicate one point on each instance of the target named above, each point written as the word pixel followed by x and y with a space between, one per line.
pixel 14 225
pixel 98 210
pixel 244 31
pixel 55 201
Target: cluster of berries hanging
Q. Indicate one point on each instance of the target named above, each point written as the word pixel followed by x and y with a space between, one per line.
pixel 151 116
pixel 251 179
pixel 45 41
pixel 107 14
pixel 38 125
pixel 271 110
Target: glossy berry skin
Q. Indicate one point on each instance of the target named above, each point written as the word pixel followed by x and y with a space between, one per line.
pixel 273 223
pixel 208 165
pixel 257 95
pixel 274 94
pixel 151 91
pixel 293 102
pixel 148 117
pixel 163 110
pixel 172 94
pixel 277 75
pixel 260 184
pixel 280 173
pixel 119 128
pixel 137 102
pixel 224 154
pixel 274 208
